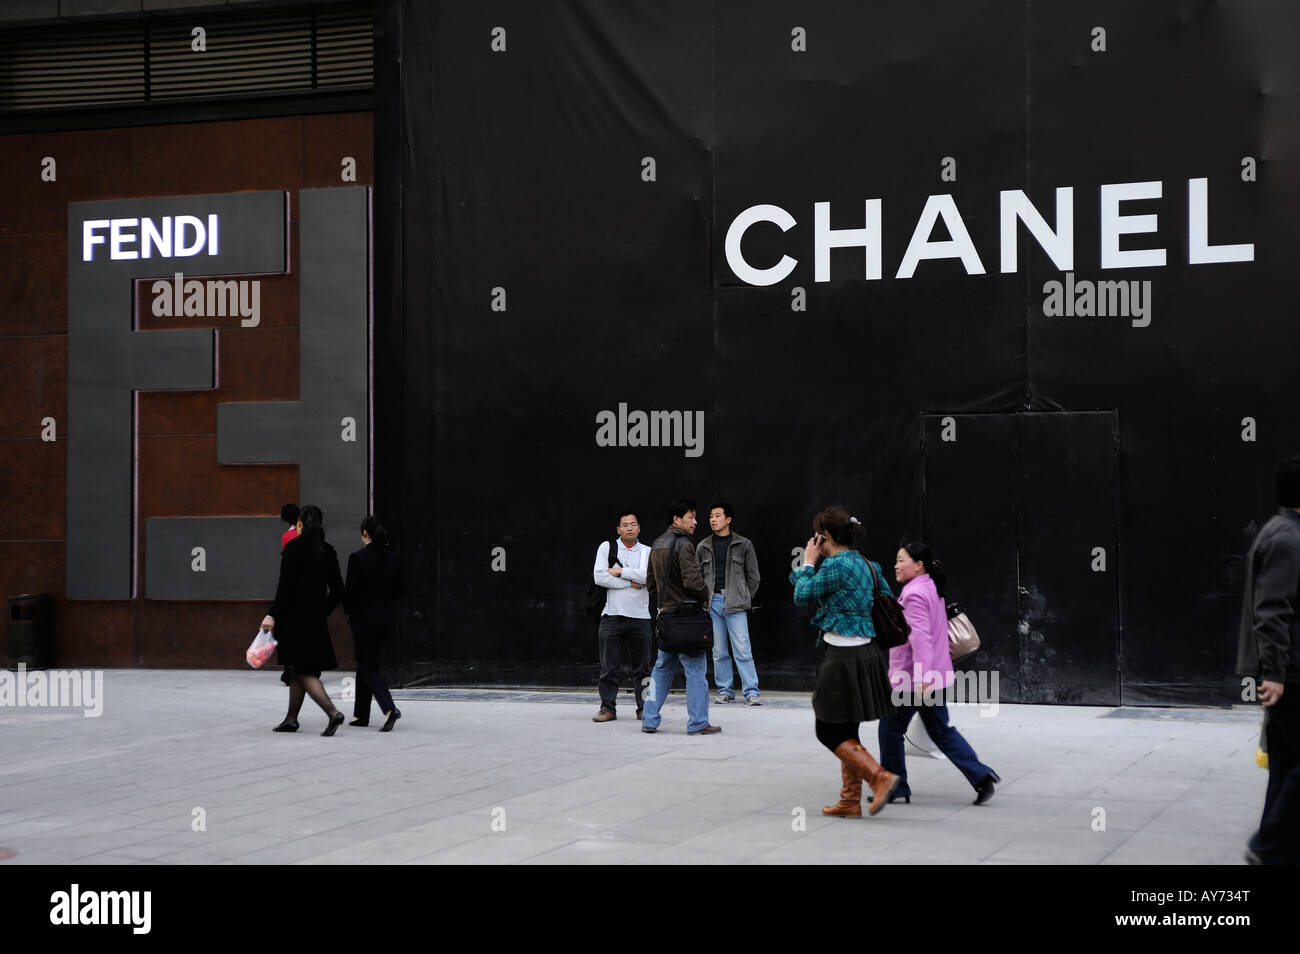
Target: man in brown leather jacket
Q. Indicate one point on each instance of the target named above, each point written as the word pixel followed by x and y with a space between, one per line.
pixel 675 578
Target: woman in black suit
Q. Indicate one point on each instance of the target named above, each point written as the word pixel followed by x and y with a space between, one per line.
pixel 374 582
pixel 310 588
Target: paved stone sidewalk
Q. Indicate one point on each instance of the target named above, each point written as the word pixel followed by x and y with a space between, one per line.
pixel 1176 786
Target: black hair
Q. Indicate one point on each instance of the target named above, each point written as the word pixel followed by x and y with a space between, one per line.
pixel 375 530
pixel 838 524
pixel 624 513
pixel 922 552
pixel 1288 483
pixel 290 513
pixel 680 507
pixel 313 530
pixel 725 507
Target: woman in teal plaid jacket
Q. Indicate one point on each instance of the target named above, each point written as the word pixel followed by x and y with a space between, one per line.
pixel 852 677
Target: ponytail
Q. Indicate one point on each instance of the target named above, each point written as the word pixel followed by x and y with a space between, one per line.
pixel 923 553
pixel 312 528
pixel 375 530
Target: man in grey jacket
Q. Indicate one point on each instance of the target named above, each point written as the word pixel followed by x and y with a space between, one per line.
pixel 730 568
pixel 1267 652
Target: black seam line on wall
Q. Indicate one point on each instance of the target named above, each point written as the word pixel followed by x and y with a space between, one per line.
pixel 180 111
pixel 400 326
pixel 1029 387
pixel 1116 499
pixel 1016 501
pixel 925 450
pixel 709 257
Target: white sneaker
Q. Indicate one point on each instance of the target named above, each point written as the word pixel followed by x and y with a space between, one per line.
pixel 723 699
pixel 752 701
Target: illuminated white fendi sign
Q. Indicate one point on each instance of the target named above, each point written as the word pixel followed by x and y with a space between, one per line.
pixel 1015 208
pixel 130 247
pixel 170 236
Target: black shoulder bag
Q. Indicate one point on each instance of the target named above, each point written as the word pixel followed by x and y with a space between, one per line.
pixel 892 628
pixel 595 592
pixel 686 629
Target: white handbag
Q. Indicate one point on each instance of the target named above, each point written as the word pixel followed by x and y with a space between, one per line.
pixel 962 638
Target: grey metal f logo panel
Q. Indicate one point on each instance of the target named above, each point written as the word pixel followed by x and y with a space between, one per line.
pixel 203 558
pixel 326 432
pixel 108 359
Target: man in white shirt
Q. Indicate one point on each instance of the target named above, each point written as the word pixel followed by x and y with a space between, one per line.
pixel 624 636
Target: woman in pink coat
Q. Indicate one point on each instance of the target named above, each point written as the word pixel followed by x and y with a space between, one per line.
pixel 920 670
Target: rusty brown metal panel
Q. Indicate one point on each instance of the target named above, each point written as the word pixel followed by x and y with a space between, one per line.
pixel 35 376
pixel 31 566
pixel 88 165
pixel 90 633
pixel 328 139
pixel 169 413
pixel 30 473
pixel 34 275
pixel 259 365
pixel 243 156
pixel 180 477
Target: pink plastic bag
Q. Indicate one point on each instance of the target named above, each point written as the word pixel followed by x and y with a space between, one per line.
pixel 261 648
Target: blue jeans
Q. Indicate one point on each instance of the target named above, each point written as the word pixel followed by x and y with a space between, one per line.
pixel 697 689
pixel 735 626
pixel 950 742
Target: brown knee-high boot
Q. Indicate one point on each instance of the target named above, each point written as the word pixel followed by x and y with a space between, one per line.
pixel 850 803
pixel 859 761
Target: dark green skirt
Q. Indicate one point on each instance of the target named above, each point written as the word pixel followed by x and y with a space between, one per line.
pixel 852 685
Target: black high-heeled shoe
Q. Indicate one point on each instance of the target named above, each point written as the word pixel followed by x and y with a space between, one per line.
pixel 905 799
pixel 335 721
pixel 360 723
pixel 984 790
pixel 391 720
pixel 286 726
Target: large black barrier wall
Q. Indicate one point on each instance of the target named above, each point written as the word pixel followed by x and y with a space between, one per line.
pixel 1078 396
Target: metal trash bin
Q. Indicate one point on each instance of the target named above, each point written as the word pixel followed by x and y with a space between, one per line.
pixel 31 631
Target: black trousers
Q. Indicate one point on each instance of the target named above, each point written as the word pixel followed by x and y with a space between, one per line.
pixel 368 642
pixel 1278 840
pixel 625 644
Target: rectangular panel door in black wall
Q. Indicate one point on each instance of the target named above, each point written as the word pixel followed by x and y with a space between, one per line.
pixel 970 522
pixel 1069 573
pixel 1021 510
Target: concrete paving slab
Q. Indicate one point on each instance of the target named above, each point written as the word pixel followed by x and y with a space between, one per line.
pixel 524 777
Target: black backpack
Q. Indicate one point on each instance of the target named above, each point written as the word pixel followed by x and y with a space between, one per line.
pixel 596 593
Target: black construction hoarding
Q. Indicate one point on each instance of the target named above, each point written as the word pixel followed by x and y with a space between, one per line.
pixel 1011 276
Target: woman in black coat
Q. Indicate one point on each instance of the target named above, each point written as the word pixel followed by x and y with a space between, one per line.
pixel 374 582
pixel 310 588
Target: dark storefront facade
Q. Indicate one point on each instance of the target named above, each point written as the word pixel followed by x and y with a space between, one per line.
pixel 1011 277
